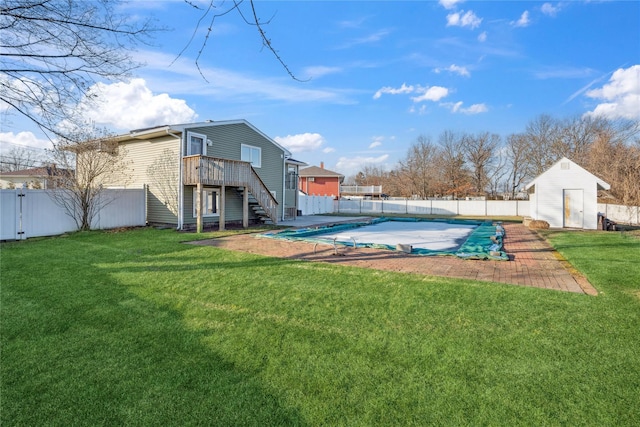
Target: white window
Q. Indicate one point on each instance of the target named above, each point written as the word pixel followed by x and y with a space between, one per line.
pixel 196 144
pixel 251 154
pixel 209 202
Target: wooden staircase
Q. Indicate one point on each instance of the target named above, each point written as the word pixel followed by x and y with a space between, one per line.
pixel 257 208
pixel 217 172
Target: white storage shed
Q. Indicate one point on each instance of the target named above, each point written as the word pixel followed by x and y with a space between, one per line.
pixel 566 196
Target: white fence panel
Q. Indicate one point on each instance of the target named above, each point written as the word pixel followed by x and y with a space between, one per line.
pixel 36 214
pixel 349 206
pixel 444 207
pixel 393 206
pixel 122 209
pixel 9 214
pixel 313 205
pixel 622 214
pixel 472 207
pixel 42 217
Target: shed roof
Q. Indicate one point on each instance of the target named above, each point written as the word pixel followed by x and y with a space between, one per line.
pixel 602 185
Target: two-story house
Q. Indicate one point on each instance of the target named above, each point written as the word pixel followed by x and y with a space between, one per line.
pixel 201 174
pixel 318 181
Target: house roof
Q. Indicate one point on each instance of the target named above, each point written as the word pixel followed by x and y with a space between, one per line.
pixel 296 162
pixel 315 171
pixel 40 172
pixel 153 132
pixel 602 185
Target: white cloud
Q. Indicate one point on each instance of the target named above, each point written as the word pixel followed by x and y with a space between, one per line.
pixel 377 142
pixel 181 76
pixel 482 37
pixel 434 93
pixel 371 38
pixel 25 139
pixel 449 4
pixel 132 105
pixel 523 21
pixel 321 71
pixel 301 142
pixel 456 69
pixel 461 19
pixel 550 10
pixel 352 165
pixel 393 91
pixel 328 150
pixel 473 109
pixel 621 95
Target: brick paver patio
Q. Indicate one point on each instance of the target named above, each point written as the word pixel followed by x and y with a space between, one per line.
pixel 532 260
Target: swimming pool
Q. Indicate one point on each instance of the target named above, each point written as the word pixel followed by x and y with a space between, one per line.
pixel 469 239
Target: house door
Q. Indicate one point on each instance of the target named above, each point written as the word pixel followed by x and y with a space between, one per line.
pixel 573 208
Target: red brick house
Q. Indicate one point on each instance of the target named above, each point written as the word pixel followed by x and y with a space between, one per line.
pixel 318 181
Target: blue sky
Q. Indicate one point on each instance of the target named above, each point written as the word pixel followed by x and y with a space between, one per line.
pixel 378 74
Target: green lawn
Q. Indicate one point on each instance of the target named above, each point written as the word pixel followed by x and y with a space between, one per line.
pixel 136 328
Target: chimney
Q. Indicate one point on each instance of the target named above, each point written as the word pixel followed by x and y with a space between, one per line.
pixel 321 165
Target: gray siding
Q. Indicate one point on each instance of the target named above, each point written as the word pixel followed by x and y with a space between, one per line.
pixel 233 207
pixel 227 140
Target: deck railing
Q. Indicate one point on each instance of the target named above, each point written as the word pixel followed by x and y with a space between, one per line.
pixel 216 172
pixel 361 189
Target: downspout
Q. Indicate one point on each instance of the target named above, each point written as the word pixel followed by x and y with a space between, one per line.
pixel 284 182
pixel 180 189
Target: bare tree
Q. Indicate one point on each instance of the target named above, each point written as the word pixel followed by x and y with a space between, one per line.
pixel 53 51
pixel 614 156
pixel 479 152
pixel 19 158
pixel 417 168
pixel 453 173
pixel 541 135
pixel 212 10
pixel 98 161
pixel 516 150
pixel 575 136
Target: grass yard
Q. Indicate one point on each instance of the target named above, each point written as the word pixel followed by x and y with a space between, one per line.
pixel 136 328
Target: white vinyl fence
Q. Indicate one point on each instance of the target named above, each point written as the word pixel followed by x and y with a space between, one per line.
pixel 436 207
pixel 310 205
pixel 621 214
pixel 314 205
pixel 33 213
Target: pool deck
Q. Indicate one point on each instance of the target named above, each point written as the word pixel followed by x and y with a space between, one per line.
pixel 532 261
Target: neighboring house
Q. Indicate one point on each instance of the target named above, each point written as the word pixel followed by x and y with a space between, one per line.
pixel 566 196
pixel 41 178
pixel 199 174
pixel 318 181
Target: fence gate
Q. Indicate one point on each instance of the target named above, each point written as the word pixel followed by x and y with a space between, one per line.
pixel 11 214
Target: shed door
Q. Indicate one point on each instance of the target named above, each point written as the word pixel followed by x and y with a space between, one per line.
pixel 573 208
